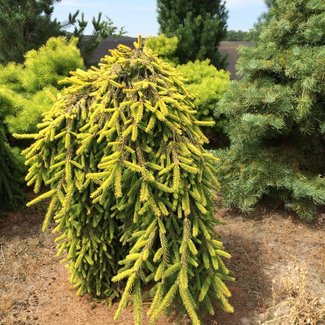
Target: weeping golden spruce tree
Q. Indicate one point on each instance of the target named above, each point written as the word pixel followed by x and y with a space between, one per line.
pixel 131 188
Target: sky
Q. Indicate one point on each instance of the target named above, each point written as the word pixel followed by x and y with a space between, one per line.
pixel 140 17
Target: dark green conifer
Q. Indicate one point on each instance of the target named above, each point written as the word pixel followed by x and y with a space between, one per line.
pixel 11 177
pixel 25 25
pixel 198 25
pixel 11 195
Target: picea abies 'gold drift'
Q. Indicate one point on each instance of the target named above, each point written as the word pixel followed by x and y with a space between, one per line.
pixel 131 188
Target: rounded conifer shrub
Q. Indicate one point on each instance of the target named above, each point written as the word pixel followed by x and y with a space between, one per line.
pixel 131 189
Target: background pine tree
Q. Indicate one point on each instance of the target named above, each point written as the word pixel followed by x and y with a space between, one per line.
pixel 276 113
pixel 198 25
pixel 25 25
pixel 28 24
pixel 131 187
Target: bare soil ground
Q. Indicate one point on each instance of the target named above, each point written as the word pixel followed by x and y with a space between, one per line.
pixel 267 248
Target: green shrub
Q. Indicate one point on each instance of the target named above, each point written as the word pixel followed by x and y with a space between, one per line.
pixel 50 63
pixel 26 92
pixel 163 46
pixel 203 80
pixel 131 188
pixel 26 118
pixel 31 88
pixel 276 113
pixel 208 85
pixel 11 197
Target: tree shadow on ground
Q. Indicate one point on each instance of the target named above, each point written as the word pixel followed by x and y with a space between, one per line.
pixel 24 223
pixel 252 286
pixel 268 207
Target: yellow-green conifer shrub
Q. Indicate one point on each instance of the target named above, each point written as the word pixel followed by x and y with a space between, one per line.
pixel 131 184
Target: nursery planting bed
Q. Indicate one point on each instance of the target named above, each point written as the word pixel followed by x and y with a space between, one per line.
pixel 268 248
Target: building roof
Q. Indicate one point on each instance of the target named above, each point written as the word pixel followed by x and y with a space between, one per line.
pixel 229 48
pixel 109 43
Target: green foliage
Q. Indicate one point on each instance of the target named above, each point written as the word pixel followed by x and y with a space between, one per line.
pixel 163 46
pixel 26 91
pixel 25 25
pixel 28 24
pixel 208 85
pixel 89 43
pixel 30 112
pixel 50 63
pixel 198 25
pixel 276 113
pixel 201 79
pixel 131 188
pixel 11 195
pixel 30 89
pixel 237 35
